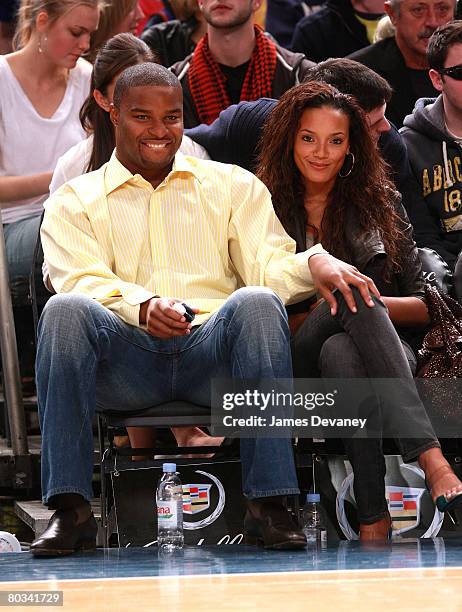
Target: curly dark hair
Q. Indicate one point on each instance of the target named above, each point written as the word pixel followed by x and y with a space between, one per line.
pixel 367 189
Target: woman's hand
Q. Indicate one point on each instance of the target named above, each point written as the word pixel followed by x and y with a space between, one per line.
pixel 329 273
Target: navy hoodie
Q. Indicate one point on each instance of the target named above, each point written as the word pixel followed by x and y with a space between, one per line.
pixel 436 162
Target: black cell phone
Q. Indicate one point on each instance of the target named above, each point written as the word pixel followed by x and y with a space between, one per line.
pixel 189 315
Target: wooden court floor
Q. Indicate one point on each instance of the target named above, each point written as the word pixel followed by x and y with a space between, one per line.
pixel 393 589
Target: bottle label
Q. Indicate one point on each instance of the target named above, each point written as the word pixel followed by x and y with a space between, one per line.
pixel 169 514
pixel 324 535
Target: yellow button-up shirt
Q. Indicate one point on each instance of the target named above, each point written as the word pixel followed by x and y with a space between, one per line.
pixel 206 230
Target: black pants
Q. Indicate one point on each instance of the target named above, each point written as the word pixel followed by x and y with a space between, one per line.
pixel 364 345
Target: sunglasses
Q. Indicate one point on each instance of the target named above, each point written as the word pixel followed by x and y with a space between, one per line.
pixel 455 72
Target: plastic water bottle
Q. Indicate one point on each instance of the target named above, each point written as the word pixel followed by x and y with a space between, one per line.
pixel 169 498
pixel 314 520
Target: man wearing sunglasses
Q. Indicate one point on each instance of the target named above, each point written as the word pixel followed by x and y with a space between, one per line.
pixel 433 135
pixel 401 59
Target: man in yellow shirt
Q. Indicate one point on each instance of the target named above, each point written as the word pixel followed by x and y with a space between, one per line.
pixel 120 243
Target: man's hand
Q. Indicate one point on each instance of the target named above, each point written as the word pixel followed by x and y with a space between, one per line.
pixel 162 320
pixel 330 273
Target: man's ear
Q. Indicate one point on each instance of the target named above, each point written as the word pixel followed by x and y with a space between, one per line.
pixel 101 100
pixel 436 79
pixel 114 115
pixel 390 12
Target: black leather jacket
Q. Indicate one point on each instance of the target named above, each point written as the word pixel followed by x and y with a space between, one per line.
pixel 367 253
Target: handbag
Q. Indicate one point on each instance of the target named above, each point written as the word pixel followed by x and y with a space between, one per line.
pixel 441 358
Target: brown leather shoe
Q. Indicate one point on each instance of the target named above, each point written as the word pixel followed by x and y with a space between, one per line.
pixel 64 536
pixel 268 523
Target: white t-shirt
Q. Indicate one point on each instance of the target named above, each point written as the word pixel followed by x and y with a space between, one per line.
pixel 31 144
pixel 75 161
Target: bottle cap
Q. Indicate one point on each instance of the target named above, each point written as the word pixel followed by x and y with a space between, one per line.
pixel 169 467
pixel 313 497
pixel 9 543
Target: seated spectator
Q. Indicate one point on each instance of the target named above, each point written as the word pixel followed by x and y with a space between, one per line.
pixel 44 84
pixel 117 17
pixel 120 52
pixel 174 40
pixel 329 185
pixel 339 28
pixel 8 12
pixel 283 15
pixel 234 61
pixel 433 135
pixel 113 322
pixel 401 59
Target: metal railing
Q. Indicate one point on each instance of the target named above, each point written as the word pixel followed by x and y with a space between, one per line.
pixel 9 354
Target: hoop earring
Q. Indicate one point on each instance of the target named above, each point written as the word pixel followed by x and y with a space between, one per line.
pixel 351 164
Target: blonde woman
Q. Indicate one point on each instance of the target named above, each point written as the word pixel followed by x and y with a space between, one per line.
pixel 44 84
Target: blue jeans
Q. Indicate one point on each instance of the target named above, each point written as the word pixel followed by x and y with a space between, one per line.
pixel 20 240
pixel 364 345
pixel 87 357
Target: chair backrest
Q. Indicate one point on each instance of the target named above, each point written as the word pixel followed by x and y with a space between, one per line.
pixel 435 270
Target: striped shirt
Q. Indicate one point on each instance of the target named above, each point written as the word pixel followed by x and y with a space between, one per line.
pixel 206 230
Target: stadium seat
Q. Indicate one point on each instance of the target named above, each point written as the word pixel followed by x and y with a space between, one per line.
pixel 435 270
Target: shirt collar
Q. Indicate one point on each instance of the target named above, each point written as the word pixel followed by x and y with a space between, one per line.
pixel 190 165
pixel 116 174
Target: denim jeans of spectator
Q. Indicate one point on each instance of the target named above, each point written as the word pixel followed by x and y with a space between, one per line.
pixel 364 345
pixel 88 357
pixel 20 240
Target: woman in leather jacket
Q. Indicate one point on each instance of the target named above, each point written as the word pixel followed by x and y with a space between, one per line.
pixel 330 185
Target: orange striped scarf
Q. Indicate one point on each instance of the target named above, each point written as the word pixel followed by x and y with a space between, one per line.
pixel 207 83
